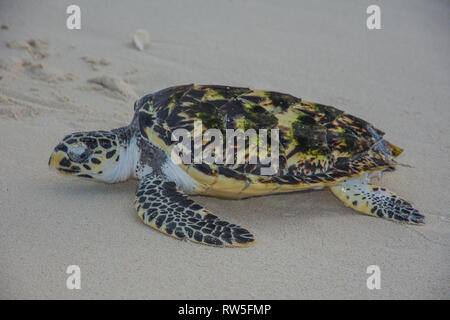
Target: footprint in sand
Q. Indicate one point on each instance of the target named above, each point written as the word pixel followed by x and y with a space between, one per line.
pixel 35 47
pixel 96 63
pixel 115 85
pixel 10 110
pixel 35 71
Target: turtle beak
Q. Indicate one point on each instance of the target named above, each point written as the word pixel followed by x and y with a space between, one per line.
pixel 55 159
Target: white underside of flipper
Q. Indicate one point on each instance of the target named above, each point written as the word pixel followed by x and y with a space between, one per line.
pixel 184 181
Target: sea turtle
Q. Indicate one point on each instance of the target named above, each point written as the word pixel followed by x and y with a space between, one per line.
pixel 319 146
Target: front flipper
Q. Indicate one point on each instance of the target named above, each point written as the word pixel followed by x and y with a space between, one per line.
pixel 160 205
pixel 376 201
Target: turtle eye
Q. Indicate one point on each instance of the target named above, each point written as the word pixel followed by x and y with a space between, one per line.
pixel 79 154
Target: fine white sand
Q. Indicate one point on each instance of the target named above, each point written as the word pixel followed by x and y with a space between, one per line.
pixel 54 81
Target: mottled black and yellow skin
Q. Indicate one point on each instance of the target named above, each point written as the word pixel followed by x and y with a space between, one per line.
pixel 319 145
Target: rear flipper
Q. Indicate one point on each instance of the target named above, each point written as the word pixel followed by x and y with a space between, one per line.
pixel 376 201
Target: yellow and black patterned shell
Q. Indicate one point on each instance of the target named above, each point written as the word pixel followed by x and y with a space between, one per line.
pixel 318 143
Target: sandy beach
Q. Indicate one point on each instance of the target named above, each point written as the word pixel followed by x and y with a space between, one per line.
pixel 54 81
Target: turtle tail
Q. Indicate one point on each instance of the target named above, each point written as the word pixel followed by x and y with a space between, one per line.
pixel 396 151
pixel 383 154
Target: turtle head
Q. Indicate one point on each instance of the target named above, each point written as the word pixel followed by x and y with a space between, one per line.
pixel 92 155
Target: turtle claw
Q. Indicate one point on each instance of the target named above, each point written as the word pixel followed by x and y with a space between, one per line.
pixel 416 217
